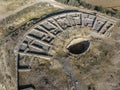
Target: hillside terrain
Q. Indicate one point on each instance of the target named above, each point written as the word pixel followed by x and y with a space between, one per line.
pixel 48 45
pixel 110 4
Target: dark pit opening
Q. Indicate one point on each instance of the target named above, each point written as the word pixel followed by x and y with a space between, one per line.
pixel 79 48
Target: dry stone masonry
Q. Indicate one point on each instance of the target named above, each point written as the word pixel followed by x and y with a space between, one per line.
pixel 38 40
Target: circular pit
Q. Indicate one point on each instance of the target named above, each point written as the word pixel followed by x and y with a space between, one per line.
pixel 78 46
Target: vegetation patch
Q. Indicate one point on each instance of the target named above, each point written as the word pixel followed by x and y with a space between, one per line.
pixel 113 12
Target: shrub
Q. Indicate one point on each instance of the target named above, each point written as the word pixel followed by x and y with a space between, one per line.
pixel 100 9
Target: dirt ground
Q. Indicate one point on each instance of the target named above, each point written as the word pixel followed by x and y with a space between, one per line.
pixel 97 69
pixel 16 19
pixel 11 7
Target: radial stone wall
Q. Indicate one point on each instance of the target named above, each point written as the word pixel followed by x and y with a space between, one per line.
pixel 38 40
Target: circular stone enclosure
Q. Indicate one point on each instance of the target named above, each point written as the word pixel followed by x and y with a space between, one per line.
pixel 78 46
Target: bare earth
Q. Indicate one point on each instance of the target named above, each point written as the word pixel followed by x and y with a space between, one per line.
pixel 98 68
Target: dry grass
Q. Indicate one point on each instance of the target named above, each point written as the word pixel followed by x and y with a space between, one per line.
pixel 7 50
pixel 106 3
pixel 35 11
pixel 10 5
pixel 95 66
